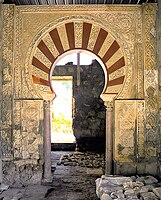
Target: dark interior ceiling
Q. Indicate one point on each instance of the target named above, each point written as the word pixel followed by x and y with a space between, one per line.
pixel 56 2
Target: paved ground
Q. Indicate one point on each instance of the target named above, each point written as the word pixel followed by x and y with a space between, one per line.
pixel 69 183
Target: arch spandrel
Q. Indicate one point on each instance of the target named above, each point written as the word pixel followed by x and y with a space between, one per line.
pixel 78 34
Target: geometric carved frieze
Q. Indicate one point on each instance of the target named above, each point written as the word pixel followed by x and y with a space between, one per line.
pixel 32 116
pixel 7 78
pixel 27 129
pixel 129 130
pixel 125 119
pixel 150 81
pixel 140 129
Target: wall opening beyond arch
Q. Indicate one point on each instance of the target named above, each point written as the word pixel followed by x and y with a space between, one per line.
pixel 88 111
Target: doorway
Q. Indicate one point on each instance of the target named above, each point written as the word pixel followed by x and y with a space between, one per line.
pixel 84 80
pixel 62 119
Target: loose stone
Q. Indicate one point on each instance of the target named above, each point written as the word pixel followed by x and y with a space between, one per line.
pixel 125 188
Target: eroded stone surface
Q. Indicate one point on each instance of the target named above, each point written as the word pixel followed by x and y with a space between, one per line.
pixel 157 191
pixel 148 180
pixel 148 196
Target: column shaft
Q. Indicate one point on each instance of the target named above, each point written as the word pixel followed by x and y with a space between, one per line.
pixel 109 143
pixel 47 142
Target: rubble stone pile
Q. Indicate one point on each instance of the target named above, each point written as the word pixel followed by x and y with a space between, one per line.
pixel 128 188
pixel 91 160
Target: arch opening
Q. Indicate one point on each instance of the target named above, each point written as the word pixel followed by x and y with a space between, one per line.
pixel 85 55
pixel 87 109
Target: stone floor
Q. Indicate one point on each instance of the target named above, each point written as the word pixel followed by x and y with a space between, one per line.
pixel 69 183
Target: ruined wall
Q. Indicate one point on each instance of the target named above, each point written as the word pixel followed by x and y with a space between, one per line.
pixel 158 34
pixel 21 130
pixel 89 111
pixel 1 28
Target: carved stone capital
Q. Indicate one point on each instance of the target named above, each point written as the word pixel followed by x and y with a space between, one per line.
pixel 47 105
pixel 109 105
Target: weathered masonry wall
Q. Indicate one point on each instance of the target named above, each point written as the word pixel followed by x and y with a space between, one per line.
pixel 21 130
pixel 89 116
pixel 141 154
pixel 132 91
pixel 1 27
pixel 158 26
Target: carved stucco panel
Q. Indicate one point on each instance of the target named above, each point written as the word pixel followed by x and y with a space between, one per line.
pixel 32 140
pixel 129 130
pixel 141 129
pixel 18 56
pixel 125 130
pixel 78 34
pixel 7 77
pixel 22 86
pixel 129 30
pixel 150 81
pixel 17 135
pixel 36 22
pixel 125 35
pixel 139 57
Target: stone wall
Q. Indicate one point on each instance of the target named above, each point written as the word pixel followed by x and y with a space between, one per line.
pixel 129 137
pixel 150 90
pixel 21 118
pixel 158 26
pixel 1 27
pixel 89 110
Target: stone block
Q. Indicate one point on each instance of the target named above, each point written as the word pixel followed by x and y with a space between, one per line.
pixel 132 198
pixel 151 168
pixel 115 180
pixel 125 168
pixel 148 196
pixel 105 197
pixel 147 180
pixel 147 188
pixel 129 192
pixel 157 191
pixel 118 194
pixel 141 168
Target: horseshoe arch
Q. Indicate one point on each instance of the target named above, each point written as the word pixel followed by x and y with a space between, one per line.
pixel 78 35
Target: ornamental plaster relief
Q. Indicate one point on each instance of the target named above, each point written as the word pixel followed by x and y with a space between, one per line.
pixel 7 73
pixel 125 131
pixel 17 136
pixel 58 24
pixel 123 24
pixel 150 85
pixel 78 34
pixel 48 41
pixel 129 130
pixel 140 129
pixel 118 73
pixel 36 22
pixel 33 21
pixel 31 129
